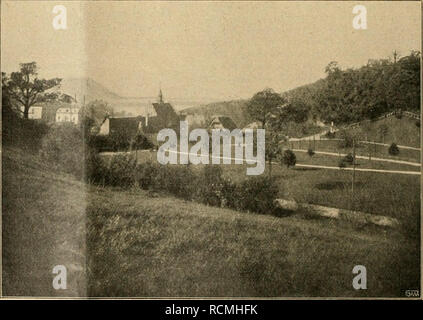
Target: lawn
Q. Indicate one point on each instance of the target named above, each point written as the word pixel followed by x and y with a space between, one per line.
pixel 362 149
pixel 394 195
pixel 402 131
pixel 145 245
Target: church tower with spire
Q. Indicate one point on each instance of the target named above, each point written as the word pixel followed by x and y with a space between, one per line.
pixel 160 98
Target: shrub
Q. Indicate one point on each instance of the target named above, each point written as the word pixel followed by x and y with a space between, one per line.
pixel 329 135
pixel 348 159
pixel 119 141
pixel 176 180
pixel 121 171
pixel 289 158
pixel 63 147
pixel 95 168
pixel 141 142
pixel 342 164
pixel 417 123
pixel 210 186
pixel 257 194
pixel 346 140
pixel 146 173
pixel 26 134
pixel 393 149
pixel 310 152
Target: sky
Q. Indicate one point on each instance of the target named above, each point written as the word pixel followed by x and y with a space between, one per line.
pixel 202 50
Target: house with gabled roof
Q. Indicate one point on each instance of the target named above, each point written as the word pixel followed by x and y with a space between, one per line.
pixel 164 117
pixel 222 122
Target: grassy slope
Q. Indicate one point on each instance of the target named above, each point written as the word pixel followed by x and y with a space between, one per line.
pixel 43 221
pixel 361 149
pixel 401 131
pixel 162 246
pixel 394 195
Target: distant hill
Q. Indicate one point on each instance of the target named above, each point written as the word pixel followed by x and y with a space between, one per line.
pixel 90 90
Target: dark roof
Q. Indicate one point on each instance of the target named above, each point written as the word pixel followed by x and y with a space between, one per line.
pixel 226 122
pixel 164 110
pixel 128 125
pixel 166 116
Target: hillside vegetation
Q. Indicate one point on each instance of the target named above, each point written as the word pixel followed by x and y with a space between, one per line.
pixel 355 94
pixel 403 131
pixel 345 95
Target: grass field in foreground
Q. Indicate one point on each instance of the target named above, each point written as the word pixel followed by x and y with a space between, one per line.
pixel 139 245
pixel 43 225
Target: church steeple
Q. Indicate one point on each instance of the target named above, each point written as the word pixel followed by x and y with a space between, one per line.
pixel 160 98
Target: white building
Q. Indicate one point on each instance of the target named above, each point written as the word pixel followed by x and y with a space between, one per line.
pixel 34 112
pixel 68 114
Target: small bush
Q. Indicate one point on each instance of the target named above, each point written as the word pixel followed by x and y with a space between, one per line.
pixel 95 168
pixel 257 194
pixel 310 152
pixel 342 164
pixel 288 158
pixel 347 140
pixel 210 186
pixel 418 123
pixel 145 174
pixel 121 171
pixel 329 135
pixel 348 159
pixel 393 149
pixel 176 180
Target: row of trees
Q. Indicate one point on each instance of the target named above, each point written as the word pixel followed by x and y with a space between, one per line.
pixel 355 94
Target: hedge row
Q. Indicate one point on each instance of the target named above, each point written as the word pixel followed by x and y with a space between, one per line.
pixel 255 194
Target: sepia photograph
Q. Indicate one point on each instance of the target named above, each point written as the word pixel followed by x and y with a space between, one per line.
pixel 211 150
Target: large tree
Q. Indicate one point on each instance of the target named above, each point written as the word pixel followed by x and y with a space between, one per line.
pixel 267 107
pixel 25 89
pixel 264 104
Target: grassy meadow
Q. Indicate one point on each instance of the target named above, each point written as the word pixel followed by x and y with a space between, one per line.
pixel 141 244
pixel 402 131
pixel 394 195
pixel 43 225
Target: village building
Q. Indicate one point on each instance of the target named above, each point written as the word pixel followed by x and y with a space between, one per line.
pixel 34 112
pixel 222 122
pixel 253 125
pixel 161 116
pixel 68 114
pixel 194 120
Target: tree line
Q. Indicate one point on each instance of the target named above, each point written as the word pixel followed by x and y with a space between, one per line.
pixel 356 94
